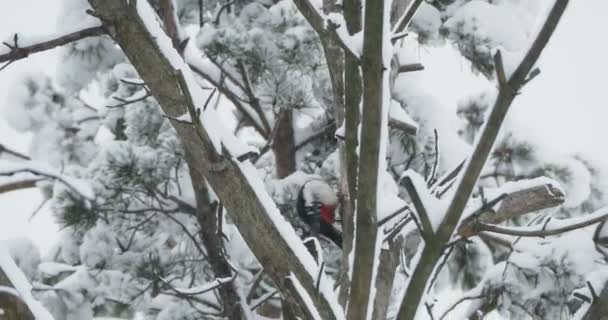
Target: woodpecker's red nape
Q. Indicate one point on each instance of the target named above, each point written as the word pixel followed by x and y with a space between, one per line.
pixel 328 213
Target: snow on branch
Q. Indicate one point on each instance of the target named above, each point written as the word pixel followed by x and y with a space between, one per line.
pixel 332 25
pixel 9 168
pixel 198 290
pixel 423 202
pixel 399 119
pixel 19 286
pixel 21 48
pixel 519 198
pixel 215 152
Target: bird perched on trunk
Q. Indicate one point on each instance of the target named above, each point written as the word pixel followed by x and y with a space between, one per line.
pixel 316 206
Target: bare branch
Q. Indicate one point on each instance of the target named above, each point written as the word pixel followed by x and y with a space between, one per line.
pixel 566 226
pixel 17 52
pixel 410 68
pixel 18 185
pixel 13 153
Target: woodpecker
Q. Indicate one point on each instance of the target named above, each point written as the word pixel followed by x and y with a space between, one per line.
pixel 316 207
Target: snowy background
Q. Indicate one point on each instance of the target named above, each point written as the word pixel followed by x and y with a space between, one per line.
pixel 565 105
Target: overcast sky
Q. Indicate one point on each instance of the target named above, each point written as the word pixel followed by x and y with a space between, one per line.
pixel 566 103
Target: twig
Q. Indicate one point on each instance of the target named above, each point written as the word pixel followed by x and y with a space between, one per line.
pixel 461 300
pixel 222 8
pixel 542 233
pixel 318 282
pixel 13 153
pixel 256 282
pixel 17 52
pixel 431 179
pixel 392 215
pixel 405 20
pixel 410 68
pixel 125 102
pixel 427 229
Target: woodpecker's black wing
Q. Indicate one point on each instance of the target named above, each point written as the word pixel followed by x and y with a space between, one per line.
pixel 329 231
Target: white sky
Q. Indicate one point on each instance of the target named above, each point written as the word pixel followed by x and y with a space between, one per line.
pixel 566 104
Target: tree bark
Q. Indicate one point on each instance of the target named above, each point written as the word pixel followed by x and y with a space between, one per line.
pixel 13 307
pixel 352 101
pixel 371 154
pixel 211 236
pixel 599 307
pixel 284 145
pixel 251 208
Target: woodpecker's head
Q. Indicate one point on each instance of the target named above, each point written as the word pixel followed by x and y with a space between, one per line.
pixel 319 198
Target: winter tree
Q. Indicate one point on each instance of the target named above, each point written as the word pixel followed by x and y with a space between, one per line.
pixel 258 159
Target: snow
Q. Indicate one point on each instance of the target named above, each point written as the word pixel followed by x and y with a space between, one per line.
pixel 354 43
pixel 310 306
pixel 9 168
pixel 206 287
pixel 53 269
pixel 492 22
pixel 22 286
pixel 435 208
pixel 397 113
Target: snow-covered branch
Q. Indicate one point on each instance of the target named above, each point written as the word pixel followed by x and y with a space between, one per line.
pixel 9 168
pixel 16 298
pixel 521 197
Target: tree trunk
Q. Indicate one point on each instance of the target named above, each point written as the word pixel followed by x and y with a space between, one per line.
pixel 352 101
pixel 13 307
pixel 211 236
pixel 373 123
pixel 284 145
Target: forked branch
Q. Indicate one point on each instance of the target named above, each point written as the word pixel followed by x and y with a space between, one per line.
pixel 468 178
